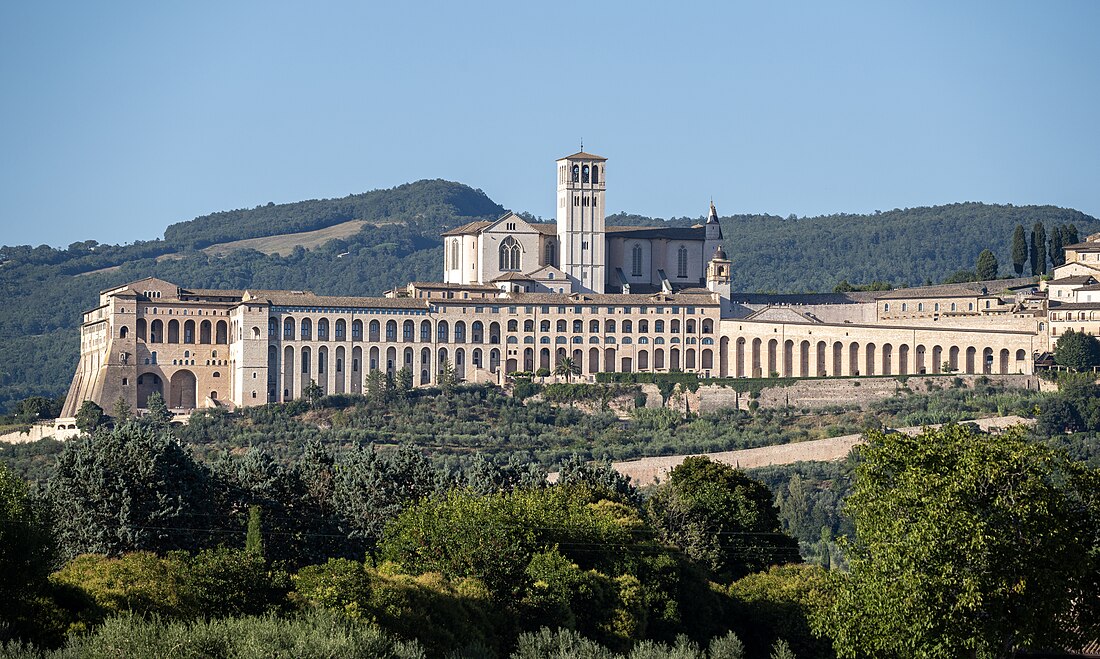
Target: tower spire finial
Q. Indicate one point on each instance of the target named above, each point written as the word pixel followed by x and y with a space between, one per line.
pixel 582 145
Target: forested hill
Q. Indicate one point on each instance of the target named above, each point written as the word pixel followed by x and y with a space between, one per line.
pixel 907 247
pixel 424 201
pixel 45 289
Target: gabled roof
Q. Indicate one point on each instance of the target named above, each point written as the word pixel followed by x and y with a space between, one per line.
pixel 581 155
pixel 468 228
pixel 782 315
pixel 1087 246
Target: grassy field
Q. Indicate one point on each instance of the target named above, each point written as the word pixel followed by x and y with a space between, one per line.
pixel 284 244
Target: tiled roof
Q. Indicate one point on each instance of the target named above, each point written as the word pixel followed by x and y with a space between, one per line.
pixel 581 155
pixel 468 228
pixel 1075 279
pixel 448 286
pixel 965 289
pixel 1087 246
pixel 287 299
pixel 1074 306
pixel 671 233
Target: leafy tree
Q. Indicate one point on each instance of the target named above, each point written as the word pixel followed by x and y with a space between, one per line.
pixel 1019 250
pixel 1038 249
pixel 133 487
pixel 601 477
pixel 721 518
pixel 26 553
pixel 986 268
pixel 1077 351
pixel 939 566
pixel 567 367
pixel 777 605
pixel 961 276
pixel 89 417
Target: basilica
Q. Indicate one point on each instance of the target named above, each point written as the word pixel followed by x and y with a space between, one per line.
pixel 519 296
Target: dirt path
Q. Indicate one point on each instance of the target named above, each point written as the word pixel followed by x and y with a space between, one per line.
pixel 646 471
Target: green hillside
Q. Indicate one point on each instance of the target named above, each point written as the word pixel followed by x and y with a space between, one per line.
pixel 45 289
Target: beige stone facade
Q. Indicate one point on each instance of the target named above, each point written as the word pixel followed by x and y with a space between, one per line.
pixel 508 304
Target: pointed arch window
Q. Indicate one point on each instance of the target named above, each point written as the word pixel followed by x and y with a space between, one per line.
pixel 509 255
pixel 454 254
pixel 595 173
pixel 584 174
pixel 551 253
pixel 636 260
pixel 576 173
pixel 682 262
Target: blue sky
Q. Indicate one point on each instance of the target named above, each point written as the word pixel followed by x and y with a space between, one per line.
pixel 118 119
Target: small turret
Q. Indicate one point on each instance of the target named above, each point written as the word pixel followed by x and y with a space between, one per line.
pixel 719 274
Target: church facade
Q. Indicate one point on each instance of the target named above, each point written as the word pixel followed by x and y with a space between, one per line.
pixel 520 296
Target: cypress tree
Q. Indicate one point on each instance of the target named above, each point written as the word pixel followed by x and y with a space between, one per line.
pixel 1019 250
pixel 1038 249
pixel 1057 256
pixel 254 539
pixel 987 265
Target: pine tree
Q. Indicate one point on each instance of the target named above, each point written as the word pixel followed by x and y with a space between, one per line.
pixel 781 650
pixel 156 412
pixel 121 411
pixel 376 386
pixel 89 417
pixel 1071 235
pixel 1019 250
pixel 447 379
pixel 987 265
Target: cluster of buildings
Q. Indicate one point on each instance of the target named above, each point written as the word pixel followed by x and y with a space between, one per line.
pixel 519 296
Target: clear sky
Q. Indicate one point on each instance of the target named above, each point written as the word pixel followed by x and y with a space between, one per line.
pixel 119 118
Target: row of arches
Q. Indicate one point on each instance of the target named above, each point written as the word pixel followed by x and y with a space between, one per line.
pixel 155 332
pixel 409 331
pixel 579 174
pixel 339 370
pixel 790 358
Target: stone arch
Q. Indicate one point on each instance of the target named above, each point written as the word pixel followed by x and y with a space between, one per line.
pixel 307 329
pixel 578 358
pixel 288 373
pixel 937 359
pixel 173 331
pixel 426 363
pixel 478 332
pixel 1003 366
pixel 221 333
pixel 822 361
pixel 971 357
pixel 953 358
pixel 494 332
pixel 494 360
pixel 773 363
pixel 425 331
pixel 188 331
pixel 204 331
pixel 355 370
pixel 442 331
pixel 460 331
pixel 609 360
pixel 142 326
pixel 987 361
pixel 921 366
pixel 853 358
pixel 156 331
pixel 391 360
pixel 804 359
pixel 322 369
pixel 738 357
pixel 342 329
pixel 673 359
pixel 903 359
pixel 476 358
pixel 689 359
pixel 408 331
pixel 182 390
pixel 544 358
pixel 838 359
pixel 707 359
pixel 322 329
pixel 123 332
pixel 460 363
pixel 887 359
pixel 788 358
pixel 869 360
pixel 757 367
pixel 307 366
pixel 147 384
pixel 407 361
pixel 528 359
pixel 643 360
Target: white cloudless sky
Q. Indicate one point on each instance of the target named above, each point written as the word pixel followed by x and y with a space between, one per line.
pixel 117 119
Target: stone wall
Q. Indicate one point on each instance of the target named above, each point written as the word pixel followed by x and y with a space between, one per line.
pixel 838 391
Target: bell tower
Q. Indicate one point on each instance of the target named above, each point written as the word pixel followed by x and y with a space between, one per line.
pixel 581 232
